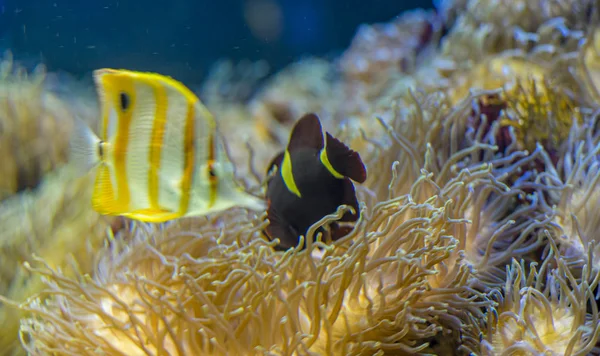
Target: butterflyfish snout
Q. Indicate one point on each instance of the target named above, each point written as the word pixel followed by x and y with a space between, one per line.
pixel 158 155
pixel 312 178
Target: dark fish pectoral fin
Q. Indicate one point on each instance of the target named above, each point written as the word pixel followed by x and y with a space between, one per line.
pixel 307 133
pixel 276 162
pixel 279 229
pixel 345 161
pixel 350 199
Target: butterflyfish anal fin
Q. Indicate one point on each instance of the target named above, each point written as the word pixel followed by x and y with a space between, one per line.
pixel 153 215
pixel 307 133
pixel 343 161
pixel 103 198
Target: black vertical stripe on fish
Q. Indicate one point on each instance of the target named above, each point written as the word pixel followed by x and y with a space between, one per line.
pixel 322 179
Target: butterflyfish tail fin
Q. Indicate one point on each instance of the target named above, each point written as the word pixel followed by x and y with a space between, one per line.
pixel 344 160
pixel 84 147
pixel 307 133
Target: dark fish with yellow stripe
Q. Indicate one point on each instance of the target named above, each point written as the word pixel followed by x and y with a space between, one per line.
pixel 159 156
pixel 312 178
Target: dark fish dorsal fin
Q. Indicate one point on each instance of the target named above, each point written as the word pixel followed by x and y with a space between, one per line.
pixel 307 133
pixel 345 161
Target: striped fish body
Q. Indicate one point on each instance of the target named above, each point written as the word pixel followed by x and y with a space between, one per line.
pixel 159 156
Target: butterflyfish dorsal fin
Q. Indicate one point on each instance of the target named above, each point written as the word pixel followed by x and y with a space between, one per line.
pixel 343 161
pixel 307 133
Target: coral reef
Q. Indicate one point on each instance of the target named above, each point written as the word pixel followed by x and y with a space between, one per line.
pixel 478 233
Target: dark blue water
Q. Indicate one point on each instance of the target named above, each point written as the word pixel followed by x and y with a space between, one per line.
pixel 183 37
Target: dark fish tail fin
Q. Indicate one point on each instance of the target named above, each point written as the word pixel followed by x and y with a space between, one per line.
pixel 344 160
pixel 307 133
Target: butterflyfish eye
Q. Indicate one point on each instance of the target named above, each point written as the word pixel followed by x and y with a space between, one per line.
pixel 101 149
pixel 124 100
pixel 212 174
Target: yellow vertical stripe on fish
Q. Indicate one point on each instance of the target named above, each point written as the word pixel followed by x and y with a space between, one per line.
pixel 158 132
pixel 114 87
pixel 200 183
pixel 190 152
pixel 105 107
pixel 287 175
pixel 212 180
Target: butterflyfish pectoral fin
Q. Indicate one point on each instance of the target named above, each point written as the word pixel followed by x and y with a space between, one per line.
pixel 307 133
pixel 84 147
pixel 341 161
pixel 249 201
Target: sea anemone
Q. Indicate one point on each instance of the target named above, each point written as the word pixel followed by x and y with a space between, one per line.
pixel 543 312
pixel 55 222
pixel 206 286
pixel 570 190
pixel 478 28
pixel 45 208
pixel 33 126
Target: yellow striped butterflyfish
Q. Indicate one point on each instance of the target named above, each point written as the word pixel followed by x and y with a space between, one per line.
pixel 309 180
pixel 158 155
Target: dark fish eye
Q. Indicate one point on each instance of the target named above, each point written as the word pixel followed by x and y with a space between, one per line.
pixel 124 100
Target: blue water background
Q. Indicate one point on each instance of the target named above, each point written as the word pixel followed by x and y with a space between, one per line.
pixel 182 38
